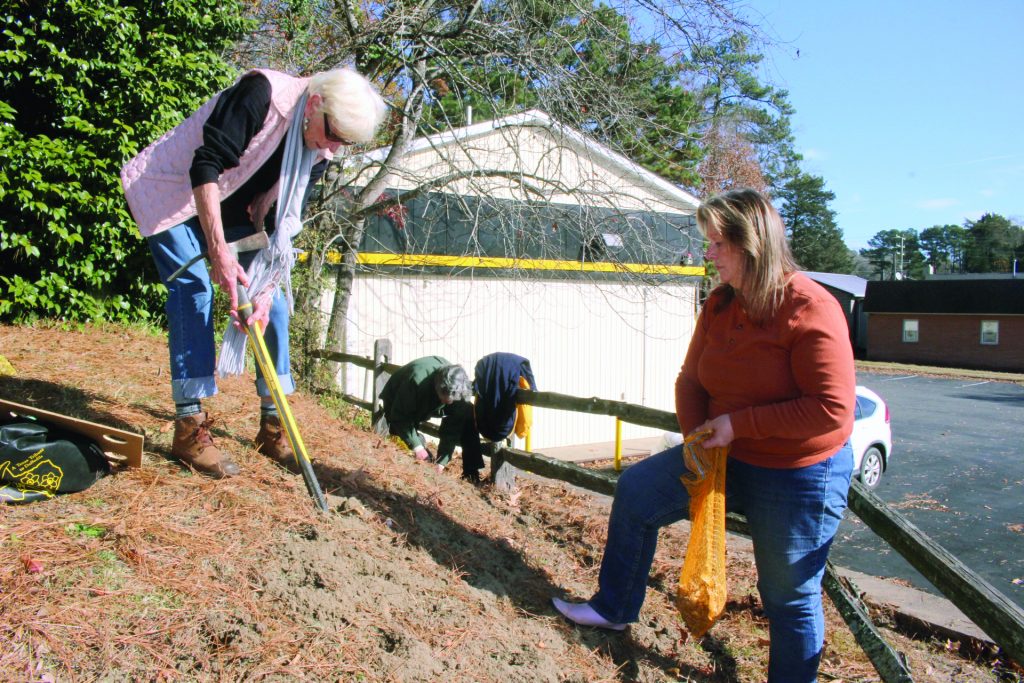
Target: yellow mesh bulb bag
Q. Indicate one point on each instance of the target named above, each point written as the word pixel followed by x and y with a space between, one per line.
pixel 700 597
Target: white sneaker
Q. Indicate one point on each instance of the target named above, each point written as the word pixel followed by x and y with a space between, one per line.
pixel 582 614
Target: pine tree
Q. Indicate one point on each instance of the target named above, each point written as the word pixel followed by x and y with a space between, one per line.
pixel 814 237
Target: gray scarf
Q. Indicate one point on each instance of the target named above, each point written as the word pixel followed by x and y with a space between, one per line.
pixel 272 267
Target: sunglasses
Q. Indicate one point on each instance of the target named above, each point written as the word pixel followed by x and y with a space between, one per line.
pixel 331 135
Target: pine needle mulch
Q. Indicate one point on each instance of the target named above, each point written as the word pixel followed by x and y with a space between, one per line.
pixel 159 574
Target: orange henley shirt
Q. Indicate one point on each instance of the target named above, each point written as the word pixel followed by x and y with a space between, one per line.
pixel 788 385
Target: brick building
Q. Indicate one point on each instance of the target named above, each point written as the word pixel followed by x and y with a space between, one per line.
pixel 970 323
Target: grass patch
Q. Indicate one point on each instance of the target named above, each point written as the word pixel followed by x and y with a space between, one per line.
pixel 342 410
pixel 160 599
pixel 884 367
pixel 89 530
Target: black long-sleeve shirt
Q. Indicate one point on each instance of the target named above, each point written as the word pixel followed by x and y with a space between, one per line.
pixel 236 118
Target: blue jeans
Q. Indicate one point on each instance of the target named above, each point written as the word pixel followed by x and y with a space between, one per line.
pixel 793 515
pixel 190 315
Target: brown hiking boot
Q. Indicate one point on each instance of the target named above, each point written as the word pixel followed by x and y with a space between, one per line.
pixel 193 445
pixel 272 442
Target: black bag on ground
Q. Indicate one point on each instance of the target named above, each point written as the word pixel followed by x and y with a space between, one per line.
pixel 39 460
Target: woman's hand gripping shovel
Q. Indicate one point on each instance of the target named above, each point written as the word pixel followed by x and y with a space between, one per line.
pixel 255 334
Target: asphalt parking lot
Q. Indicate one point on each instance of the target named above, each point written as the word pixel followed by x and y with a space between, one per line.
pixel 957 473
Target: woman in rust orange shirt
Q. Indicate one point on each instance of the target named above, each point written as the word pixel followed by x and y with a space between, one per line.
pixel 770 372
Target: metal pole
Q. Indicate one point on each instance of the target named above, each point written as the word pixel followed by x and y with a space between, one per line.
pixel 618 445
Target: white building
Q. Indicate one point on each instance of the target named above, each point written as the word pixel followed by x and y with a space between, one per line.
pixel 554 248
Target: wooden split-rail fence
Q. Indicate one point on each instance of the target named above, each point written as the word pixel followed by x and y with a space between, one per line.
pixel 992 611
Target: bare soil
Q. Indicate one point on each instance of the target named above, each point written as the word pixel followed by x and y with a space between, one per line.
pixel 159 574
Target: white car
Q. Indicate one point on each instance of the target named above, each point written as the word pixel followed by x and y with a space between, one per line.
pixel 871 438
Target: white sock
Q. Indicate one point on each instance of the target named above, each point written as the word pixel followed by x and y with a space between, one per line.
pixel 583 614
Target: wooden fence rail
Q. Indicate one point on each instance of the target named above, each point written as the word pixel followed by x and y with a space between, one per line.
pixel 986 606
pixel 361 361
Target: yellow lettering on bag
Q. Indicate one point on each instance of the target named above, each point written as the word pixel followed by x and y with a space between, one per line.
pixel 34 473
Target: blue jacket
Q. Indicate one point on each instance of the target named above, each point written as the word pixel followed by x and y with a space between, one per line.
pixel 495 383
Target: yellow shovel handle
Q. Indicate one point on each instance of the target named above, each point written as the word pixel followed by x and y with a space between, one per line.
pixel 277 394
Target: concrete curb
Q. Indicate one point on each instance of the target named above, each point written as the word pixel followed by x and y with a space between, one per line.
pixel 933 612
pixel 911 607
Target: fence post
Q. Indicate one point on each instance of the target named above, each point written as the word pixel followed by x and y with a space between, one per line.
pixel 381 355
pixel 503 473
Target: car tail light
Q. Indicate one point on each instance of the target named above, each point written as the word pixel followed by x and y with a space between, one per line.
pixel 886 413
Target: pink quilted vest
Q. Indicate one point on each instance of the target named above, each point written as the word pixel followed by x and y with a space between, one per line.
pixel 156 181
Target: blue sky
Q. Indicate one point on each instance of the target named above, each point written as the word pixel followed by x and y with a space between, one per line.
pixel 912 112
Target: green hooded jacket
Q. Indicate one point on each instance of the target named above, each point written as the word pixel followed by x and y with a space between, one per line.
pixel 409 398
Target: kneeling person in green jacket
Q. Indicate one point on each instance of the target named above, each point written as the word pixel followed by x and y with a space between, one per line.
pixel 433 387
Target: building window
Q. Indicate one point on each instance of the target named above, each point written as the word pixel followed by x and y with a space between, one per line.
pixel 600 246
pixel 990 332
pixel 910 331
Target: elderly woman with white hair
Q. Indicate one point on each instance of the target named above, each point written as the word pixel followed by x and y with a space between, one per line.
pixel 245 161
pixel 433 387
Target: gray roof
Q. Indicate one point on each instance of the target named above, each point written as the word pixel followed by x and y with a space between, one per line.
pixel 583 144
pixel 851 284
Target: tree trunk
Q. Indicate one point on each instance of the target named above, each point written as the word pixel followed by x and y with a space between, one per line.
pixel 353 232
pixel 343 283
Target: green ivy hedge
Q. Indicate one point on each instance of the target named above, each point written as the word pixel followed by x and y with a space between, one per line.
pixel 84 85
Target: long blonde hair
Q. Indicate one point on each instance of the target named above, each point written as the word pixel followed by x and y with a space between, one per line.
pixel 748 221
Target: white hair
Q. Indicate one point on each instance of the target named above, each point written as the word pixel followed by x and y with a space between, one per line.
pixel 355 107
pixel 451 381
